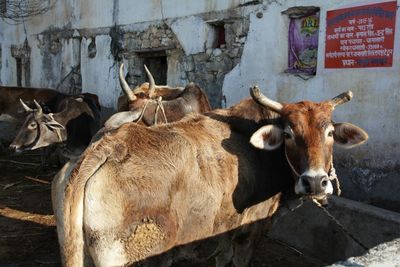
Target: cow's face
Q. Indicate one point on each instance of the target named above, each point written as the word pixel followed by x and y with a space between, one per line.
pixel 132 106
pixel 308 134
pixel 38 130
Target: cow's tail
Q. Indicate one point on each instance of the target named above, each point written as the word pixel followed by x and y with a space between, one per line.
pixel 73 250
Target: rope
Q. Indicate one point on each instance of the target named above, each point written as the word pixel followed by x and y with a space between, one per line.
pixel 331 176
pixel 59 134
pixel 56 129
pixel 144 109
pixel 159 106
pixel 341 226
pixel 290 164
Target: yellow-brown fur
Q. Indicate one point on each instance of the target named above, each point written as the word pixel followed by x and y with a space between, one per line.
pixel 139 192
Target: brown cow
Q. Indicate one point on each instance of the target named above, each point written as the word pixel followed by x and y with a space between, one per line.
pixel 150 104
pixel 140 191
pixel 10 96
pixel 10 99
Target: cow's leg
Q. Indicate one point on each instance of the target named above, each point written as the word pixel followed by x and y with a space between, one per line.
pixel 58 186
pixel 103 221
pixel 106 251
pixel 116 232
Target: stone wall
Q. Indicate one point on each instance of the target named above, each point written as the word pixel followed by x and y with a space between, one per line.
pixel 206 68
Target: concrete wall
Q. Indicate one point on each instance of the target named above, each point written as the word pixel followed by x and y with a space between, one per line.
pixel 256 53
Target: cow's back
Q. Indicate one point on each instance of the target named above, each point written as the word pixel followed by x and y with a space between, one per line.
pixel 148 192
pixel 10 95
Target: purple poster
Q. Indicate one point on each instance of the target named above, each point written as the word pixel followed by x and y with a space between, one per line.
pixel 303 44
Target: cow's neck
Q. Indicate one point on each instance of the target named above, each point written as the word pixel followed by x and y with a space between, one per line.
pixel 245 117
pixel 65 116
pixel 276 175
pixel 8 100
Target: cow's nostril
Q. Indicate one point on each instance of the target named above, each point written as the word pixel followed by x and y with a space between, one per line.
pixel 306 184
pixel 324 182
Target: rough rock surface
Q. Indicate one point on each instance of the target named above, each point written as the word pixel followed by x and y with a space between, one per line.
pixel 386 254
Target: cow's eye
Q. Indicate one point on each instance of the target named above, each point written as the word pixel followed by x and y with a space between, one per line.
pixel 330 133
pixel 287 135
pixel 32 125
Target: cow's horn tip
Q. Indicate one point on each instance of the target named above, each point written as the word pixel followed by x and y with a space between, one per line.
pixel 349 94
pixel 255 89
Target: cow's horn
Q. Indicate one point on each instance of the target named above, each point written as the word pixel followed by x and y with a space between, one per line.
pixel 341 99
pixel 263 100
pixel 39 110
pixel 25 106
pixel 152 83
pixel 124 85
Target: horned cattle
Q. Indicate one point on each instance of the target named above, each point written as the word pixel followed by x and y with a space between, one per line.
pixel 146 194
pixel 150 104
pixel 74 123
pixel 48 98
pixel 10 95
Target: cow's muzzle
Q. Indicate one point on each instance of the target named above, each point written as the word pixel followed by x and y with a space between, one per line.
pixel 313 184
pixel 15 148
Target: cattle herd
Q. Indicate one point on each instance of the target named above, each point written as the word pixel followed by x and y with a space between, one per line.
pixel 165 172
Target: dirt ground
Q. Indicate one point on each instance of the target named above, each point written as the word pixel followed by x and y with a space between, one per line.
pixel 27 226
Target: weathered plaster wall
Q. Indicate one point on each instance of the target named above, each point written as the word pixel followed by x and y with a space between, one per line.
pixel 56 36
pixel 370 172
pixel 198 40
pixel 255 53
pixel 100 72
pixel 374 107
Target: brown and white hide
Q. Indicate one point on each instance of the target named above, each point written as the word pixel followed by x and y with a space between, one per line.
pixel 150 104
pixel 149 195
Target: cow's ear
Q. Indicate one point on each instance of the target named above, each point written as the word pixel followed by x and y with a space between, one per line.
pixel 268 137
pixel 53 124
pixel 120 118
pixel 349 135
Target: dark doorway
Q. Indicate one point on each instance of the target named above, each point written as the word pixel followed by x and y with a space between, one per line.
pixel 156 62
pixel 220 35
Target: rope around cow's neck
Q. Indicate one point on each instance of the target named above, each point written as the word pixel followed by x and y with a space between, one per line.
pixel 159 106
pixel 58 132
pixel 291 165
pixel 333 176
pixel 143 110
